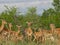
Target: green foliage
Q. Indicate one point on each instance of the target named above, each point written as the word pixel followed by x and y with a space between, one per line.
pixel 56 4
pixel 48 16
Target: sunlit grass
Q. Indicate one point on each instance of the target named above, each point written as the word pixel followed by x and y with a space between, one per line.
pixel 9 42
pixel 26 42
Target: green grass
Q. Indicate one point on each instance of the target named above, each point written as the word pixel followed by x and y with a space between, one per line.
pixel 47 42
pixel 26 42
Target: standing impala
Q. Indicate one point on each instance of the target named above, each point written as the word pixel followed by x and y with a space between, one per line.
pixel 2 30
pixel 10 29
pixel 56 31
pixel 19 37
pixel 18 29
pixel 38 36
pixel 2 26
pixel 15 35
pixel 52 26
pixel 28 31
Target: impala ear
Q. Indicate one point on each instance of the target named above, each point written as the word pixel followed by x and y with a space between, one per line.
pixel 19 26
pixel 10 23
pixel 29 22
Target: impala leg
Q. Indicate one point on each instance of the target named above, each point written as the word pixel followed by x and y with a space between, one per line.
pixel 34 38
pixel 30 38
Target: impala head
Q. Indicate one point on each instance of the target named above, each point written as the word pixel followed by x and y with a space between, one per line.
pixel 10 25
pixel 18 26
pixel 40 29
pixel 29 23
pixel 4 22
pixel 52 26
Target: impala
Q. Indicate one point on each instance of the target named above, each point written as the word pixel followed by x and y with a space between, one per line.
pixel 57 32
pixel 38 36
pixel 2 26
pixel 28 31
pixel 48 35
pixel 15 35
pixel 2 30
pixel 52 27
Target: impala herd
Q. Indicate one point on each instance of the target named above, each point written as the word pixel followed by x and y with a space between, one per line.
pixel 39 36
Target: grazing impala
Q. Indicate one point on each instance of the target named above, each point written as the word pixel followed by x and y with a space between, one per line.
pixel 28 31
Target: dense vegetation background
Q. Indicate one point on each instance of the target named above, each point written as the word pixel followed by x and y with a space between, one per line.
pixel 51 15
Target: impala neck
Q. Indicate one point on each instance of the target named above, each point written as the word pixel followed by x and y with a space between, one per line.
pixel 29 27
pixel 52 30
pixel 10 28
pixel 18 30
pixel 2 27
